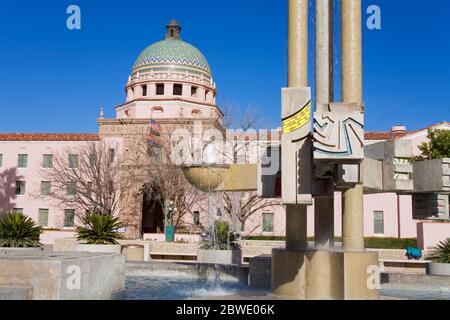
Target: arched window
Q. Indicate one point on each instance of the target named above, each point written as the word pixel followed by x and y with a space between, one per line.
pixel 196 112
pixel 157 109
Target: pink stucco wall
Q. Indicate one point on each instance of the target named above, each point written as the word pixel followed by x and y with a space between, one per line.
pixel 31 202
pixel 429 234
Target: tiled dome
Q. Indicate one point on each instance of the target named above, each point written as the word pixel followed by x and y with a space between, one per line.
pixel 172 54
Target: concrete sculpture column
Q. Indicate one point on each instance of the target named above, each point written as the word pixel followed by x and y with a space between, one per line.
pixel 296 215
pixel 298 44
pixel 353 211
pixel 324 206
pixel 324 53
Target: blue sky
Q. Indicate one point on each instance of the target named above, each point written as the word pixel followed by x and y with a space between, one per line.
pixel 54 80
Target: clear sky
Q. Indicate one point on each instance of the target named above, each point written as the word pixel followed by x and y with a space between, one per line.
pixel 54 80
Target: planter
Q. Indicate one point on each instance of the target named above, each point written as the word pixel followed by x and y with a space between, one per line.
pixel 20 251
pixel 99 248
pixel 224 257
pixel 438 269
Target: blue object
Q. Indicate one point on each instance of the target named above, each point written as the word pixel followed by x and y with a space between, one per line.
pixel 413 253
pixel 170 233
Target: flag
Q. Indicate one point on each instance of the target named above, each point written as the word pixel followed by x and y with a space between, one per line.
pixel 155 128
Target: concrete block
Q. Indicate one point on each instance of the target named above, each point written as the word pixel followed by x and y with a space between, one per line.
pixel 297 146
pixel 347 174
pixel 56 275
pixel 372 174
pixel 261 271
pixel 428 205
pixel 222 257
pixel 269 170
pixel 395 156
pixel 432 176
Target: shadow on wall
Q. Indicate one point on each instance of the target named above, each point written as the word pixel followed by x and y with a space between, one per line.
pixel 8 180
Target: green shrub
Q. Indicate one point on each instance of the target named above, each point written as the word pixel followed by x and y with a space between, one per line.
pixel 441 253
pixel 19 231
pixel 222 239
pixel 370 242
pixel 389 243
pixel 99 229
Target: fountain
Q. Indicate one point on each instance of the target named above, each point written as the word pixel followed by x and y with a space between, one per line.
pixel 315 164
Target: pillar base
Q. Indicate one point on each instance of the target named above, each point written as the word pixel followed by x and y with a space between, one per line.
pixel 325 275
pixel 308 274
pixel 362 277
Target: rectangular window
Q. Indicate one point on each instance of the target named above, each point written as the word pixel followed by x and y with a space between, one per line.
pixel 197 218
pixel 73 161
pixel 69 216
pixel 177 89
pixel 378 221
pixel 47 161
pixel 18 210
pixel 43 217
pixel 20 188
pixel 71 189
pixel 160 89
pixel 112 154
pixel 194 92
pixel 89 187
pixel 1 160
pixel 46 187
pixel 144 90
pixel 267 225
pixel 22 161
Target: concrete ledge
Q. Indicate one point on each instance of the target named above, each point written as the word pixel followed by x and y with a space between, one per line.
pixel 201 271
pixel 12 293
pixel 414 281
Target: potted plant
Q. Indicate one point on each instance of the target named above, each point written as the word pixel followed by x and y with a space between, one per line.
pixel 99 233
pixel 219 246
pixel 19 233
pixel 440 257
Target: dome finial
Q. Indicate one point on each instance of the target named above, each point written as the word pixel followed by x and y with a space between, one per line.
pixel 173 30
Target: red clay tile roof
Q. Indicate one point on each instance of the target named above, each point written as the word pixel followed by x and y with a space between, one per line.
pixel 48 137
pixel 383 135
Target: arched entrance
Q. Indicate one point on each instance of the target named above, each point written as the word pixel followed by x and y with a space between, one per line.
pixel 152 215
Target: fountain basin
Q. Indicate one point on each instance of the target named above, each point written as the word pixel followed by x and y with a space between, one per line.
pixel 206 178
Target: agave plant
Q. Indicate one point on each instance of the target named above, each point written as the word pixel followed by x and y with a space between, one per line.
pixel 99 229
pixel 220 239
pixel 441 253
pixel 19 231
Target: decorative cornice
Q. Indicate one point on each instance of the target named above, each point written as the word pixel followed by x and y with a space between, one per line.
pixel 170 100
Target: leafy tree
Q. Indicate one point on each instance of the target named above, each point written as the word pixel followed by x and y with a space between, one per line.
pixel 438 147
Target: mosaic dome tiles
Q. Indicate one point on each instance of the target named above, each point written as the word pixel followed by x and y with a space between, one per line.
pixel 172 54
